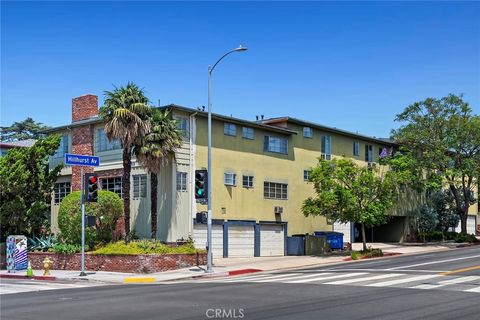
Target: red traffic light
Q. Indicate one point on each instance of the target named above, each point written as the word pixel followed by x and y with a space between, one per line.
pixel 92 179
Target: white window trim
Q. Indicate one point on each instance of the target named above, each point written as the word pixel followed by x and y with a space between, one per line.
pixel 234 178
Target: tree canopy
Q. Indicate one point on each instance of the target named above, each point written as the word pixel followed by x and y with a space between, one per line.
pixel 26 129
pixel 26 187
pixel 440 141
pixel 346 192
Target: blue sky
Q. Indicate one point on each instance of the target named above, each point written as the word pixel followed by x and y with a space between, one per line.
pixel 352 65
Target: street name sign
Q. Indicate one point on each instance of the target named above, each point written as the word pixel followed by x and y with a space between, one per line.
pixel 81 160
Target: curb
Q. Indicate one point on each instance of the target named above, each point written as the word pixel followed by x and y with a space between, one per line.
pixel 243 271
pixel 19 276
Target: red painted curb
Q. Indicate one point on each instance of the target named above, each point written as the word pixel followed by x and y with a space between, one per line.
pixel 386 254
pixel 19 276
pixel 242 271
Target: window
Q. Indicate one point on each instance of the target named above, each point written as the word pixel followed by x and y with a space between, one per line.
pixel 307 132
pixel 306 175
pixel 326 148
pixel 229 129
pixel 276 144
pixel 368 153
pixel 103 144
pixel 62 148
pixel 60 190
pixel 247 133
pixel 182 126
pixel 230 179
pixel 247 181
pixel 356 148
pixel 181 181
pixel 113 184
pixel 272 190
pixel 140 186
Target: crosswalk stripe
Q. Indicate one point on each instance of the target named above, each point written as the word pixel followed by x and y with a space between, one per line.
pixel 404 280
pixel 477 289
pixel 382 276
pixel 446 282
pixel 287 279
pixel 327 277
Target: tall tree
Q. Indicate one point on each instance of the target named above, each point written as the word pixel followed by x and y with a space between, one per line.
pixel 127 119
pixel 155 151
pixel 441 137
pixel 26 187
pixel 346 192
pixel 26 129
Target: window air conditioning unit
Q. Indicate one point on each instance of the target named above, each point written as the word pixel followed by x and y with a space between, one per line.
pixel 278 210
pixel 326 156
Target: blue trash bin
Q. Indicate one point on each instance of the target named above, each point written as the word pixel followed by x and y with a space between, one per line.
pixel 334 239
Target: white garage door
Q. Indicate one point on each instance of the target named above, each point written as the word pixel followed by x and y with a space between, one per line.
pixel 200 238
pixel 343 228
pixel 471 225
pixel 272 240
pixel 240 241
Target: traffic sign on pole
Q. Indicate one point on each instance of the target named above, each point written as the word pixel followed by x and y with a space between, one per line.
pixel 81 160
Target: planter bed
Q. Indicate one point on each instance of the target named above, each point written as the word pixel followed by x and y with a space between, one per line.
pixel 136 263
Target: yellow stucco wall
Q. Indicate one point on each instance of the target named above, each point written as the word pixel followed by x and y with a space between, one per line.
pixel 234 154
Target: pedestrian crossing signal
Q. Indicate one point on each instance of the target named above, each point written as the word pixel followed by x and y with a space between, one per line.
pixel 201 184
pixel 91 187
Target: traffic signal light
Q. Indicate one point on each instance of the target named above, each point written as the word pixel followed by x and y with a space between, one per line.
pixel 91 187
pixel 201 184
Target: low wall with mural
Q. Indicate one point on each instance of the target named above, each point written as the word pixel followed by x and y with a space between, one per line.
pixel 138 263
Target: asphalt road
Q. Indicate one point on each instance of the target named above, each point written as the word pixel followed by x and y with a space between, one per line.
pixel 445 288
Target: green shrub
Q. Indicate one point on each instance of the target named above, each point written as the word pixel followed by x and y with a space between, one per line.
pixel 457 237
pixel 107 211
pixel 66 248
pixel 371 253
pixel 44 243
pixel 354 255
pixel 143 247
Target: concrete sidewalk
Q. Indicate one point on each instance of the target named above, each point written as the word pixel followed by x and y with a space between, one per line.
pixel 228 266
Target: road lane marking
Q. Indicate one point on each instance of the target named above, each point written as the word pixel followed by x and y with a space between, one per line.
pixel 446 282
pixel 404 280
pixel 382 270
pixel 460 270
pixel 477 289
pixel 327 277
pixel 382 276
pixel 433 262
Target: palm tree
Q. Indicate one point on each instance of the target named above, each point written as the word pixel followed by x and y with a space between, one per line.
pixel 155 151
pixel 127 115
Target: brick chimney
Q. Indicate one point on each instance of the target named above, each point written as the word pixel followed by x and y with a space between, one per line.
pixel 84 107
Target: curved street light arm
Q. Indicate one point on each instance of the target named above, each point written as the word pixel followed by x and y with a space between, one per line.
pixel 226 54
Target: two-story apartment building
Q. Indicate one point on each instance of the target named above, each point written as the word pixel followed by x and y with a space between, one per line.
pixel 260 173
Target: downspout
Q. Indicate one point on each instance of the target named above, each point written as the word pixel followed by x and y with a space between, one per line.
pixel 192 141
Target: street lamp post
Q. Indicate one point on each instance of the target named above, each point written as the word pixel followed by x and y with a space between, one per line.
pixel 209 166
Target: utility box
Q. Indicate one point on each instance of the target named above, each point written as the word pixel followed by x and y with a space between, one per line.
pixel 16 253
pixel 315 245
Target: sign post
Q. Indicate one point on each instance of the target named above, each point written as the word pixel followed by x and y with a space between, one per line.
pixel 82 161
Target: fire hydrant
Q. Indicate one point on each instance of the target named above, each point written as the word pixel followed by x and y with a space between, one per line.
pixel 47 265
